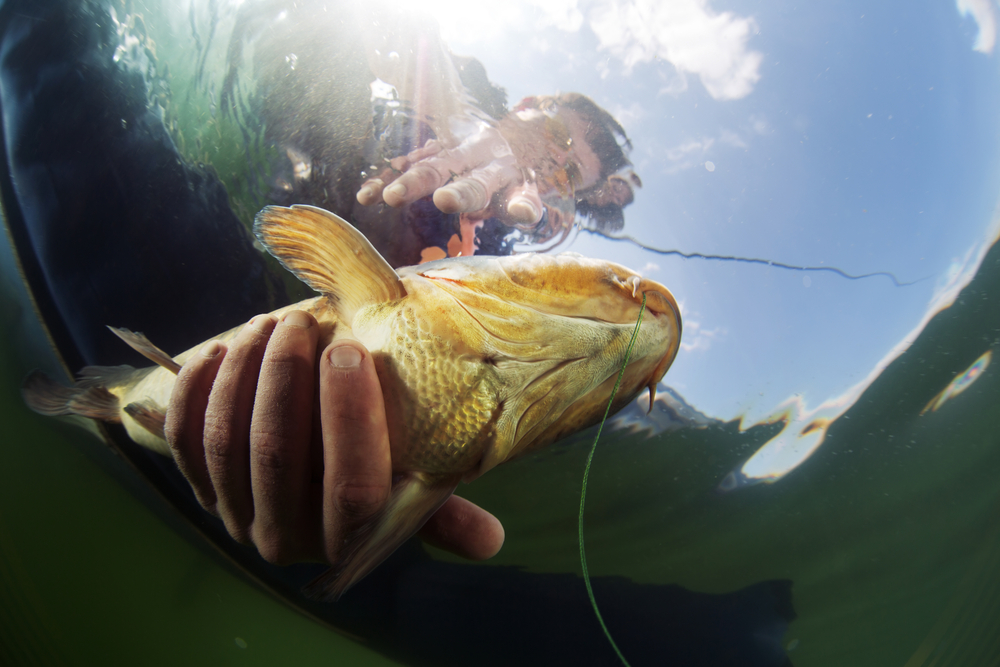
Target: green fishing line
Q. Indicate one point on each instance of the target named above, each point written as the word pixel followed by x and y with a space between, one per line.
pixel 586 475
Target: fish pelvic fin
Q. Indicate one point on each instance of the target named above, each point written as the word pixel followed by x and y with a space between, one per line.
pixel 414 498
pixel 48 397
pixel 325 252
pixel 143 346
pixel 148 415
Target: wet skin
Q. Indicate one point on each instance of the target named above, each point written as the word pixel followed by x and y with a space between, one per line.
pixel 505 162
pixel 308 478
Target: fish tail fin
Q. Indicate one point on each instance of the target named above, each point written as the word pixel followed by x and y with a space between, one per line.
pixel 414 498
pixel 85 398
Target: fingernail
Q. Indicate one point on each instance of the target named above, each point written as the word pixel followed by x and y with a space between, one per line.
pixel 297 318
pixel 364 194
pixel 397 190
pixel 263 323
pixel 345 357
pixel 449 199
pixel 462 198
pixel 523 210
pixel 211 349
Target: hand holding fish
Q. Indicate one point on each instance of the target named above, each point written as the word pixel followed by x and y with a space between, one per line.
pixel 478 360
pixel 241 427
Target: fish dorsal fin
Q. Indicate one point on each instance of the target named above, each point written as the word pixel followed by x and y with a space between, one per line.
pixel 325 252
pixel 145 347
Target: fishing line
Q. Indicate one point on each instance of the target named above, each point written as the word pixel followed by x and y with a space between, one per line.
pixel 753 260
pixel 586 475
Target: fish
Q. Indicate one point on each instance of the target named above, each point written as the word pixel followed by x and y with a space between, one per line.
pixel 481 360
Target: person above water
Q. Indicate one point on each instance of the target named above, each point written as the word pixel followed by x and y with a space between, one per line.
pixel 460 172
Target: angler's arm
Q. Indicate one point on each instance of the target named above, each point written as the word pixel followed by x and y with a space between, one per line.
pixel 243 430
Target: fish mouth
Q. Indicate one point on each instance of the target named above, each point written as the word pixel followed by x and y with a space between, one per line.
pixel 659 303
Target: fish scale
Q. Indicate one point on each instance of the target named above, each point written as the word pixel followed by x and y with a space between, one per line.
pixel 444 435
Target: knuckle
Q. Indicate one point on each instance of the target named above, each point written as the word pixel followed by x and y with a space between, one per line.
pixel 238 532
pixel 268 451
pixel 210 505
pixel 218 446
pixel 275 550
pixel 171 433
pixel 284 360
pixel 358 500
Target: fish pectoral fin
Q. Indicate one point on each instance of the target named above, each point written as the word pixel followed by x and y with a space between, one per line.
pixel 148 415
pixel 143 346
pixel 414 498
pixel 325 252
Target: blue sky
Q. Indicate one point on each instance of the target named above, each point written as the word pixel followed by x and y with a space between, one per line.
pixel 847 134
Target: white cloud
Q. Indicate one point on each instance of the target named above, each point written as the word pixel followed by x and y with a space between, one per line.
pixel 561 14
pixel 732 139
pixel 688 35
pixel 696 146
pixel 985 15
pixel 695 338
pixel 676 83
pixel 692 153
pixel 629 115
pixel 651 267
pixel 759 125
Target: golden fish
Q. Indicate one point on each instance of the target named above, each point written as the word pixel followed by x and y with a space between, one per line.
pixel 480 360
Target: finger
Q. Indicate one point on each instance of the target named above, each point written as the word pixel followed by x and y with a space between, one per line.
pixel 357 468
pixel 280 431
pixel 437 167
pixel 399 164
pixel 430 149
pixel 371 192
pixel 473 192
pixel 464 529
pixel 524 205
pixel 227 425
pixel 421 180
pixel 185 425
pixel 462 196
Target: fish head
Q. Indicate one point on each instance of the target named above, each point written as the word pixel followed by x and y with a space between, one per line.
pixel 555 330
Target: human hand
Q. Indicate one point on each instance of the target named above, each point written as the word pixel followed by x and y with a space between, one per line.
pixel 464 179
pixel 288 479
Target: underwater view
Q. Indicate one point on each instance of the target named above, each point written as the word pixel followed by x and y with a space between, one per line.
pixel 691 306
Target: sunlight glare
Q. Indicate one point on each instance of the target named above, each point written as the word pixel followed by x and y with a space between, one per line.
pixel 464 23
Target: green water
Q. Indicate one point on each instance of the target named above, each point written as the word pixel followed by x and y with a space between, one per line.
pixel 889 532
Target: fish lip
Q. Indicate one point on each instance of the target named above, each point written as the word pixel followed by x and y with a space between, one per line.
pixel 661 303
pixel 659 299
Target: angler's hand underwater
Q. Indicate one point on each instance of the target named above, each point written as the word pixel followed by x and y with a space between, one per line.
pixel 479 359
pixel 293 502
